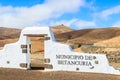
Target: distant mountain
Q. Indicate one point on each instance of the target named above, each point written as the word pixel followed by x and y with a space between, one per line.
pixel 89 36
pixel 71 35
pixel 99 36
pixel 9 33
pixel 60 29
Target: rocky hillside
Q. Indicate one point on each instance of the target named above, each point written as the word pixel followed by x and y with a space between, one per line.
pixel 61 29
pixel 89 36
pixel 100 36
pixel 9 33
pixel 115 41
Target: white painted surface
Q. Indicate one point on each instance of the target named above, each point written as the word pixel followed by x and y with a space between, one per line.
pixel 13 54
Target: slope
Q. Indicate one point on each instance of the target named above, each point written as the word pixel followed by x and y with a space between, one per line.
pixel 88 36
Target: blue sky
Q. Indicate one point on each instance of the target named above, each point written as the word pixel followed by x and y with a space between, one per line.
pixel 77 14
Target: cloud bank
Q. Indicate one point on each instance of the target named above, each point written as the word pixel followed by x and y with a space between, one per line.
pixel 19 17
pixel 109 15
pixel 111 11
pixel 52 12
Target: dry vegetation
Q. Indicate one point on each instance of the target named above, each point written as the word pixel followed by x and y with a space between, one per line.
pixel 89 36
pixel 115 41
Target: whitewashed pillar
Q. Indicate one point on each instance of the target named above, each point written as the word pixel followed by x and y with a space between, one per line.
pixel 28 52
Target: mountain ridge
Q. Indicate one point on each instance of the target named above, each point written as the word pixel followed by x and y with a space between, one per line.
pixel 68 35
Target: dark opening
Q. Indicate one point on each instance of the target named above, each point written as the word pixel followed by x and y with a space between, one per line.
pixel 37 68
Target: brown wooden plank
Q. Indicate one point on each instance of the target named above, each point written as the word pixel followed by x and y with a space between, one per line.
pixel 35 35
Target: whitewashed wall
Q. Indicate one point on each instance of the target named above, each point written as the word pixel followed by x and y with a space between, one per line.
pixel 11 56
pixel 61 49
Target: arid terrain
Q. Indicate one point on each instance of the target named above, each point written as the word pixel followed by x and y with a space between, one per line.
pixel 78 39
pixel 107 37
pixel 100 36
pixel 91 36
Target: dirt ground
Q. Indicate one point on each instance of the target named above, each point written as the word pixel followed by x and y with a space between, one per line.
pixel 19 74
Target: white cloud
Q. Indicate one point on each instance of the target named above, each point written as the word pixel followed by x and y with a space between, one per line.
pixel 80 24
pixel 108 12
pixel 117 24
pixel 65 5
pixel 65 22
pixel 90 6
pixel 28 16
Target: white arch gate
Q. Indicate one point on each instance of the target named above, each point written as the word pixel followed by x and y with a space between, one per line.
pixel 56 57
